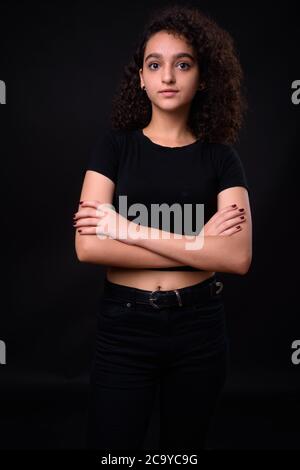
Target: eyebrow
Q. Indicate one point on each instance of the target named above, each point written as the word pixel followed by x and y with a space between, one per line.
pixel 181 54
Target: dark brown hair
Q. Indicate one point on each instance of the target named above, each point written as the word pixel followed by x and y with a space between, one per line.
pixel 217 112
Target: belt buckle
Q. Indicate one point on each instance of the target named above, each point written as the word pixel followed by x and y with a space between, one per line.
pixel 152 300
pixel 178 297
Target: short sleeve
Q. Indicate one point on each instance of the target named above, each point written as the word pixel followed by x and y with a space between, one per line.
pixel 230 169
pixel 104 155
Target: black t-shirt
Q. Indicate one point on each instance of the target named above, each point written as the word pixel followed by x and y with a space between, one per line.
pixel 148 173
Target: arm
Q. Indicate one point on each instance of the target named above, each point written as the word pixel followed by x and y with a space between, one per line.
pixel 112 252
pixel 231 254
pixel 217 253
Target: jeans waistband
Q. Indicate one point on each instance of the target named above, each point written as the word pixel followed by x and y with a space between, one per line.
pixel 202 291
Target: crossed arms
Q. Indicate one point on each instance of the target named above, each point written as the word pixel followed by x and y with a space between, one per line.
pixel 231 254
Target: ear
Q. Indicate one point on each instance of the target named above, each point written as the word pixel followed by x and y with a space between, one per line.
pixel 141 77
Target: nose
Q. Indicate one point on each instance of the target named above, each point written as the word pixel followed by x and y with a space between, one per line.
pixel 167 74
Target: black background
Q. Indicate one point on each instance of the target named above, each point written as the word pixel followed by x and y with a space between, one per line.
pixel 61 64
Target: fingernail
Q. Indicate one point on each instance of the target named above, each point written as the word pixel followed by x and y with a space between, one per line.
pixel 79 230
pixel 241 210
pixel 80 202
pixel 238 226
pixel 233 205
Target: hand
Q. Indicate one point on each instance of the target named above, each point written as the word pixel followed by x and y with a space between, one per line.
pixel 224 222
pixel 101 219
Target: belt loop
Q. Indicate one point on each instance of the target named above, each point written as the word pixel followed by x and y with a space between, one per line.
pixel 219 287
pixel 178 297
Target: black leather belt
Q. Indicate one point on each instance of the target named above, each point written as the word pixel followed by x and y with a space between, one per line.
pixel 196 293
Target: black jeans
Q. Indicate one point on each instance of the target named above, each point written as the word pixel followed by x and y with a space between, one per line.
pixel 184 349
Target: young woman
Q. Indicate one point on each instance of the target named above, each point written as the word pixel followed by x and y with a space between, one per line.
pixel 162 318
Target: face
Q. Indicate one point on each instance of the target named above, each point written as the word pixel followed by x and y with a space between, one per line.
pixel 169 63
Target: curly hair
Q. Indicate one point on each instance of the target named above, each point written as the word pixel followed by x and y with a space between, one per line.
pixel 216 112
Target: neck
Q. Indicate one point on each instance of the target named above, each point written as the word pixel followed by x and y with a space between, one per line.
pixel 170 125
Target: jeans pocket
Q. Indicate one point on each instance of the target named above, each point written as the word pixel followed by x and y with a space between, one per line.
pixel 213 304
pixel 115 308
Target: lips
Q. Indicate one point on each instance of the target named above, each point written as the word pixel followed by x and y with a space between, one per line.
pixel 168 93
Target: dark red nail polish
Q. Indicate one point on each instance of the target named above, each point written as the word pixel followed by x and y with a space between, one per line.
pixel 233 205
pixel 238 226
pixel 242 217
pixel 241 210
pixel 81 202
pixel 79 230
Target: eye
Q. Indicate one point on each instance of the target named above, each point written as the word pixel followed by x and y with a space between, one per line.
pixel 181 63
pixel 185 63
pixel 153 63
